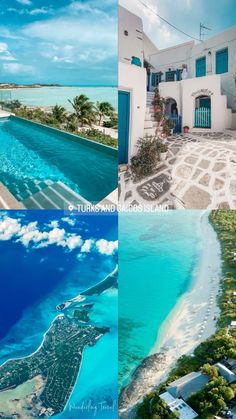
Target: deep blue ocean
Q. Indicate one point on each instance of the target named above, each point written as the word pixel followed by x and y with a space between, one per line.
pixel 34 281
pixel 158 254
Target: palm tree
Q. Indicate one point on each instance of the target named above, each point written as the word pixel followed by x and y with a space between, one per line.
pixel 59 113
pixel 84 110
pixel 103 109
pixel 72 123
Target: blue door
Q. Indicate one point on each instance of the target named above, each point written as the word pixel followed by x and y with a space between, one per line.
pixel 202 118
pixel 177 120
pixel 201 67
pixel 123 126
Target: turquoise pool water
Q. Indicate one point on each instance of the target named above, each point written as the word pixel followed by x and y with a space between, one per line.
pixel 158 255
pixel 32 157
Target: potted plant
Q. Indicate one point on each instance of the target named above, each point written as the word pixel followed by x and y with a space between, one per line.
pixel 145 161
pixel 186 129
pixel 162 149
pixel 158 104
pixel 168 126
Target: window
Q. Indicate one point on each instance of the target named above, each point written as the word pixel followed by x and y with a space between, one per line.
pixel 201 67
pixel 222 61
pixel 179 74
pixel 156 78
pixel 170 76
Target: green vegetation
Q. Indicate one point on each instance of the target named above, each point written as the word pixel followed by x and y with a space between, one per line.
pixel 149 149
pixel 57 360
pixel 103 109
pixel 212 398
pixel 155 408
pixel 144 163
pixel 80 122
pixel 84 110
pixel 217 394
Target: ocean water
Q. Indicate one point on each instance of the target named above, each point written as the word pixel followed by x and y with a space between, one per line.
pixel 50 96
pixel 34 281
pixel 158 257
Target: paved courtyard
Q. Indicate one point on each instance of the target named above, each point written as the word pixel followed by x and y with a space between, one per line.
pixel 199 172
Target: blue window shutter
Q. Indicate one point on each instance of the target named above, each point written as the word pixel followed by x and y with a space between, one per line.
pixel 178 75
pixel 222 61
pixel 201 67
pixel 154 79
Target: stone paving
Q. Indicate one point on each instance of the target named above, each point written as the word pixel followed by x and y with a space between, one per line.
pixel 199 172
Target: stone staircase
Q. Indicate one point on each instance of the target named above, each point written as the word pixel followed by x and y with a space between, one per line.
pixel 150 125
pixel 54 196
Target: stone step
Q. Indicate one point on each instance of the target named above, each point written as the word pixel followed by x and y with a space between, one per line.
pixel 150 116
pixel 150 124
pixel 149 131
pixel 55 196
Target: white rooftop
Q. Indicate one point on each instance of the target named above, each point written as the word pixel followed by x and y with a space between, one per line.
pixel 178 405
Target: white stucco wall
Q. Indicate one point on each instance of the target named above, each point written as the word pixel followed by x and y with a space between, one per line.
pixel 148 47
pixel 172 90
pixel 186 54
pixel 132 44
pixel 186 91
pixel 234 121
pixel 133 79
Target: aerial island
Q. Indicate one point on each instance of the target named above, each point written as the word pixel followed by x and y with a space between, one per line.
pixel 28 86
pixel 55 365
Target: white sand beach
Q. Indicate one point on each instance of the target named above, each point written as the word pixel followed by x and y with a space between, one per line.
pixel 191 321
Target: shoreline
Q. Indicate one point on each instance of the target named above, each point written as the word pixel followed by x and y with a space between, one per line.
pixel 192 321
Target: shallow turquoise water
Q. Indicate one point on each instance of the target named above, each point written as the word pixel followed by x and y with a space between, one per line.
pixel 158 255
pixel 95 393
pixel 31 156
pixel 50 96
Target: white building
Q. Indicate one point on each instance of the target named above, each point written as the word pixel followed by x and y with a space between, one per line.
pixel 197 79
pixel 179 406
pixel 187 385
pixel 134 47
pixel 226 373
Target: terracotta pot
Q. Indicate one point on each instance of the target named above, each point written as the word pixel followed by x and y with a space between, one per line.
pixel 157 108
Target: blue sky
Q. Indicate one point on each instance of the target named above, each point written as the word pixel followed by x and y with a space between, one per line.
pixel 40 250
pixel 58 41
pixel 185 14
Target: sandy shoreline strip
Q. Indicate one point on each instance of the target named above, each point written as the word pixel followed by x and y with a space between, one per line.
pixel 192 320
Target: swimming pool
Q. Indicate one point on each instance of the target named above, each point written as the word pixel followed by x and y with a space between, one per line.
pixel 33 156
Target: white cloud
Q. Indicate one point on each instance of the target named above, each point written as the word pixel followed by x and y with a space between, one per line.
pixel 25 2
pixel 53 224
pixel 73 242
pixel 86 248
pixel 15 68
pixel 5 54
pixel 5 33
pixel 106 247
pixel 70 221
pixel 9 227
pixel 31 12
pixel 30 235
pixel 3 47
pixel 75 31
